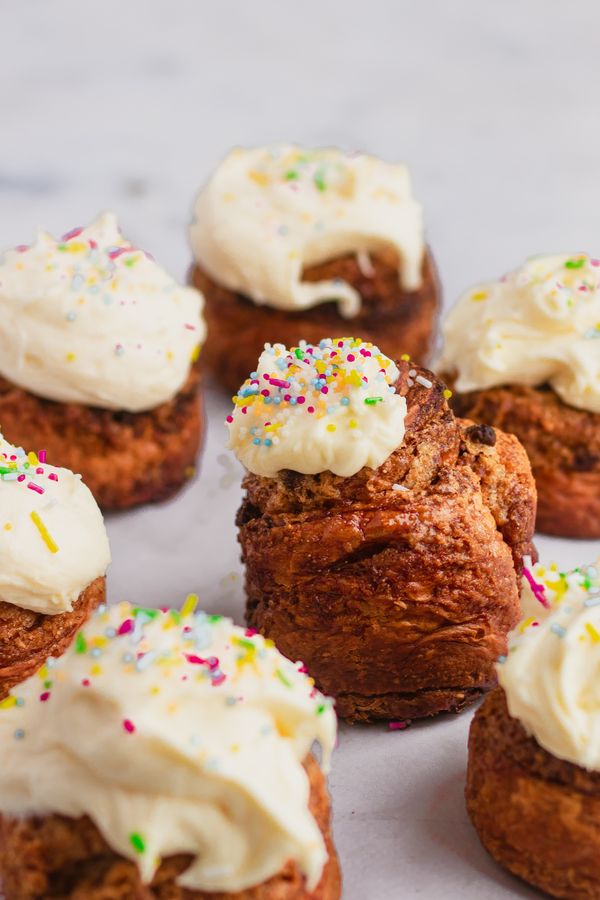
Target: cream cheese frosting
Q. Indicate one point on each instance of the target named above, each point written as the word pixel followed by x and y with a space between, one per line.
pixel 268 213
pixel 538 325
pixel 551 673
pixel 175 732
pixel 331 407
pixel 92 319
pixel 53 542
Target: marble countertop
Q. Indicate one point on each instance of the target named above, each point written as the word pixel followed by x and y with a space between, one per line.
pixel 128 106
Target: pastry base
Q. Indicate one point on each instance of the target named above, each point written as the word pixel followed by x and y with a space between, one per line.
pixel 28 638
pixel 57 858
pixel 398 602
pixel 126 459
pixel 537 815
pixel 396 321
pixel 563 444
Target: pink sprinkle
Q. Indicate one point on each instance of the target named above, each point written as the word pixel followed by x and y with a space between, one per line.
pixel 277 382
pixel 351 357
pixel 190 327
pixel 300 400
pixel 75 232
pixel 42 456
pixel 22 248
pixel 250 632
pixel 287 397
pixel 35 487
pixel 45 696
pixel 265 392
pixel 195 660
pixel 125 627
pixel 128 726
pixel 21 478
pixel 218 680
pixel 85 682
pixel 302 668
pixel 595 262
pixel 397 726
pixel 229 419
pixel 324 389
pixel 310 409
pixel 93 244
pixel 244 410
pixel 39 471
pixel 537 589
pixel 13 457
pixel 52 476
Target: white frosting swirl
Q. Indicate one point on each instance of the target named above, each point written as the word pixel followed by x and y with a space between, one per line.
pixel 91 319
pixel 540 324
pixel 550 676
pixel 321 408
pixel 175 733
pixel 53 542
pixel 268 213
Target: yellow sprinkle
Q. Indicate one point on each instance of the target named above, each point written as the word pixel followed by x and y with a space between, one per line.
pixel 593 632
pixel 259 178
pixel 235 748
pixel 228 198
pixel 196 353
pixel 155 690
pixel 352 423
pixel 191 602
pixel 525 624
pixel 405 357
pixel 8 702
pixel 45 534
pixel 96 670
pixel 447 394
pixel 70 357
pixel 170 355
pixel 331 427
pixel 269 643
pixel 479 295
pixel 8 527
pixel 32 458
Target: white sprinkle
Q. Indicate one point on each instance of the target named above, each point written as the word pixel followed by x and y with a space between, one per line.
pixel 424 381
pixel 399 487
pixel 412 372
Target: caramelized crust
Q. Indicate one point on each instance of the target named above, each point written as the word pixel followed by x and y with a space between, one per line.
pixel 57 858
pixel 126 459
pixel 563 444
pixel 397 321
pixel 28 638
pixel 398 601
pixel 537 815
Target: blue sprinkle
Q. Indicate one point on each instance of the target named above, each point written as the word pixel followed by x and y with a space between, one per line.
pixel 268 442
pixel 101 609
pixel 592 601
pixel 19 702
pixel 128 658
pixel 71 316
pixel 276 400
pixel 110 633
pixel 557 629
pixel 107 299
pixel 95 652
pixel 253 374
pixel 293 401
pixel 230 701
pixel 76 282
pixel 19 734
pixel 345 401
pixel 256 441
pixel 502 659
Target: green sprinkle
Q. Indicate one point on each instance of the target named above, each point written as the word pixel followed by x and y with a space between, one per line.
pixel 80 643
pixel 137 842
pixel 131 261
pixel 62 248
pixel 5 470
pixel 283 678
pixel 245 642
pixel 291 175
pixel 215 618
pixel 321 709
pixel 320 181
pixel 574 263
pixel 299 353
pixel 176 616
pixel 47 685
pixel 370 401
pixel 142 611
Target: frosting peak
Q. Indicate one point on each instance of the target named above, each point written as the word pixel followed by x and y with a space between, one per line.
pixel 175 733
pixel 331 407
pixel 53 543
pixel 550 675
pixel 268 213
pixel 540 324
pixel 91 319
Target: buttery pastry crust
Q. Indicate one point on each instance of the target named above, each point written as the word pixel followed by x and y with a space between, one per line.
pixel 57 858
pixel 563 444
pixel 398 601
pixel 397 321
pixel 28 639
pixel 126 459
pixel 537 815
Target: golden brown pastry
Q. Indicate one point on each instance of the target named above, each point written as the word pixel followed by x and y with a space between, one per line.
pixel 97 345
pixel 291 244
pixel 392 566
pixel 524 356
pixel 533 779
pixel 170 758
pixel 53 557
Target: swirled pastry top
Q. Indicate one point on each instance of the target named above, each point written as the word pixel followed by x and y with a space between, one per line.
pixel 53 542
pixel 175 732
pixel 268 213
pixel 538 325
pixel 331 407
pixel 92 319
pixel 551 675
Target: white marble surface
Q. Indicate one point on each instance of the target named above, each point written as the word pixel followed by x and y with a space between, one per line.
pixel 128 105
